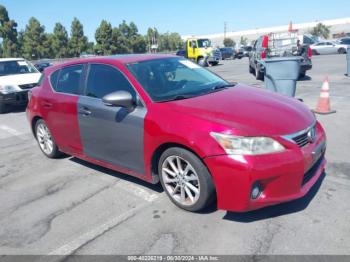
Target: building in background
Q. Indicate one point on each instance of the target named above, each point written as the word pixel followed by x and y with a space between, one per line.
pixel 338 27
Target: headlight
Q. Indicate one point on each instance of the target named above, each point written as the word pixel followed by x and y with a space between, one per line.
pixel 236 145
pixel 7 89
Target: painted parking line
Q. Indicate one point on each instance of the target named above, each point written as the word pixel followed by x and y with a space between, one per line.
pixel 137 190
pixel 10 130
pixel 72 246
pixel 75 244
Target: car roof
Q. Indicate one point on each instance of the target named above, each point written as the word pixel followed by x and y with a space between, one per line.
pixel 124 59
pixel 11 59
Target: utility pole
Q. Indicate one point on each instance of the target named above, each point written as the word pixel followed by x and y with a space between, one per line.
pixel 225 29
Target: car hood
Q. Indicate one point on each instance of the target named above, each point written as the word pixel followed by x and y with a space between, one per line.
pixel 248 111
pixel 20 79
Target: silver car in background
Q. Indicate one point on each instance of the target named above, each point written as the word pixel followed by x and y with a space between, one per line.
pixel 329 47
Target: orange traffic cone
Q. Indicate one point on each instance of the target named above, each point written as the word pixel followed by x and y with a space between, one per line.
pixel 324 105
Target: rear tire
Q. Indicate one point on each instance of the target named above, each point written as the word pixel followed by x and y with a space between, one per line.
pixel 45 140
pixel 251 69
pixel 185 179
pixel 342 51
pixel 258 74
pixel 302 75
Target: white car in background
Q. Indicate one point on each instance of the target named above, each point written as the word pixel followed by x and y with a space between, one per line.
pixel 17 76
pixel 328 47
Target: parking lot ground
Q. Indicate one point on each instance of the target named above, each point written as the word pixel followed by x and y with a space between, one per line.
pixel 68 206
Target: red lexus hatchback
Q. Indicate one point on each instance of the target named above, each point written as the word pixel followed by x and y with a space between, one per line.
pixel 164 118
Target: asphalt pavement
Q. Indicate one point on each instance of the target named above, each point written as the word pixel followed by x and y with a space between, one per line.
pixel 68 206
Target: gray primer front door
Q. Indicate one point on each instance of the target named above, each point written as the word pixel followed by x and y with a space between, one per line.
pixel 112 134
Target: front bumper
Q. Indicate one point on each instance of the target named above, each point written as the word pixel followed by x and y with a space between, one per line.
pixel 283 176
pixel 17 98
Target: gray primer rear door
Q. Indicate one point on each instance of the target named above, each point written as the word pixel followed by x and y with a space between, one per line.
pixel 112 134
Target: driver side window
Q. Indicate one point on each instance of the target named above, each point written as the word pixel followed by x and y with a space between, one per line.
pixel 104 79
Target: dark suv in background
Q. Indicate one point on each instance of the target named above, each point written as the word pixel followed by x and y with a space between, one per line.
pixel 227 53
pixel 267 47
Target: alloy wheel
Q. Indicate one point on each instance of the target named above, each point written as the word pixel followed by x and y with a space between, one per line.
pixel 44 138
pixel 180 180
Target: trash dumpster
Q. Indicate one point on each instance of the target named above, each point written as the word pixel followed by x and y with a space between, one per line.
pixel 281 74
pixel 348 61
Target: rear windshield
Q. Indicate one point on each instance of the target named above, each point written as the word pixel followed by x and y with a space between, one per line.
pixel 16 68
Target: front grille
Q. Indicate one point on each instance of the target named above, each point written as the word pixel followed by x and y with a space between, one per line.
pixel 302 140
pixel 312 172
pixel 28 86
pixel 304 137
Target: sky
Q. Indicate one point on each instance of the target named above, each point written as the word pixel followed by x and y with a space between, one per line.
pixel 187 17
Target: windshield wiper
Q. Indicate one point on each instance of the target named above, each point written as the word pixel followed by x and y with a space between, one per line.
pixel 178 97
pixel 224 86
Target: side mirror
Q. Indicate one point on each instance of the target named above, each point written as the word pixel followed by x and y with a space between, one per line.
pixel 119 99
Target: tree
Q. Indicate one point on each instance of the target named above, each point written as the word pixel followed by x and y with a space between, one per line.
pixel 139 44
pixel 78 42
pixel 243 41
pixel 152 38
pixel 104 41
pixel 8 32
pixel 320 30
pixel 229 42
pixel 126 39
pixel 47 46
pixel 33 40
pixel 60 41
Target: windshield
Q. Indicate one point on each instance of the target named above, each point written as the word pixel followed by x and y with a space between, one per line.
pixel 204 43
pixel 175 78
pixel 16 68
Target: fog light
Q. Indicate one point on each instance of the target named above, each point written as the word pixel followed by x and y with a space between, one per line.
pixel 256 191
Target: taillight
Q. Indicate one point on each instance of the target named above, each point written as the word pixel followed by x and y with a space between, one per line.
pixel 263 55
pixel 309 52
pixel 265 41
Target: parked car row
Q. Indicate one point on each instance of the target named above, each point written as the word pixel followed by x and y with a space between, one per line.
pixel 231 53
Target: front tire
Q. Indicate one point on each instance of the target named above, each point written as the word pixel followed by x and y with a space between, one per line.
pixel 201 62
pixel 45 140
pixel 185 179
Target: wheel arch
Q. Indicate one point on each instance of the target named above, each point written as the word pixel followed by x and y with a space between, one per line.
pixel 199 57
pixel 33 123
pixel 162 148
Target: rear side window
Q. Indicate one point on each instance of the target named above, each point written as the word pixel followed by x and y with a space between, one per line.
pixel 104 79
pixel 69 80
pixel 53 79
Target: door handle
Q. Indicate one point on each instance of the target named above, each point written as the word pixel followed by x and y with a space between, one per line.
pixel 84 111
